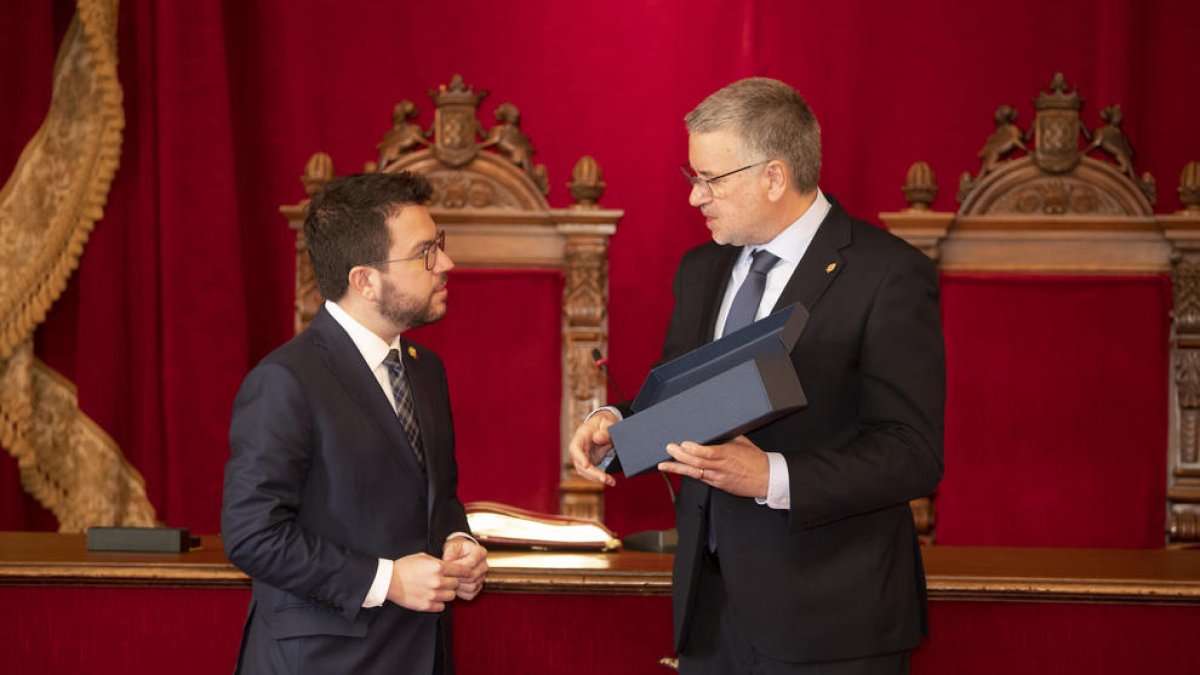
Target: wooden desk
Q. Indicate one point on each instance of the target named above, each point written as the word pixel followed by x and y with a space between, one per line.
pixel 994 610
pixel 1128 576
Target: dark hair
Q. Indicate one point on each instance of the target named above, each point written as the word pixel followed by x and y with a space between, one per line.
pixel 346 223
pixel 772 119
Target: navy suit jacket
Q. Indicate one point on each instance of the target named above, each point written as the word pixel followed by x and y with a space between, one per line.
pixel 321 483
pixel 839 574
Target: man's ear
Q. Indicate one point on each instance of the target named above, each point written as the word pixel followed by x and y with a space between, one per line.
pixel 362 282
pixel 778 179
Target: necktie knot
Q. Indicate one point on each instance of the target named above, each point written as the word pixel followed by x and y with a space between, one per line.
pixel 749 295
pixel 762 261
pixel 392 360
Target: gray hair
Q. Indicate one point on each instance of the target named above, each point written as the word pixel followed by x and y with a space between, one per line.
pixel 772 119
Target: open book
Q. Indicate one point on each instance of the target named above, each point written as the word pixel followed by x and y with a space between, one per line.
pixel 503 526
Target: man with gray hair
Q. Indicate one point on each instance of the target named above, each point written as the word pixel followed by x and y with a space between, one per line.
pixel 797 550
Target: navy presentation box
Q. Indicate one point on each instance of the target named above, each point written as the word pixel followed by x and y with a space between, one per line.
pixel 709 395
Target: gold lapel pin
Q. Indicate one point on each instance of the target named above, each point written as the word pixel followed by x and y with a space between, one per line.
pixel 412 352
pixel 830 268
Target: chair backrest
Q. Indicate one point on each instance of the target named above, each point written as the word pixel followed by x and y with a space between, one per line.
pixel 1073 400
pixel 490 198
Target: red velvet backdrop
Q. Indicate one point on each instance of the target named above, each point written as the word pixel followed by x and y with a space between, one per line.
pixel 187 281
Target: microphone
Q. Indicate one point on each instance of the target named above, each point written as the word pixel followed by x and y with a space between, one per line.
pixel 601 364
pixel 660 541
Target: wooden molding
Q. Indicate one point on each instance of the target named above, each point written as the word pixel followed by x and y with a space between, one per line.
pixel 1115 576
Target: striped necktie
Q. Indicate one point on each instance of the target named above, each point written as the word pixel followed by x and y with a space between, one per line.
pixel 405 409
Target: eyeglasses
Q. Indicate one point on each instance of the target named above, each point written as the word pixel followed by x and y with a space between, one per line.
pixel 429 254
pixel 708 185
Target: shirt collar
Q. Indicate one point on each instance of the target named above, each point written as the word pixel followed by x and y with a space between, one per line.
pixel 373 349
pixel 791 244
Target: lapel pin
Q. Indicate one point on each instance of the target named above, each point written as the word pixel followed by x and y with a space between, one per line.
pixel 412 352
pixel 830 268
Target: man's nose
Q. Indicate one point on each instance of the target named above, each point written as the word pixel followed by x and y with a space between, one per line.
pixel 444 262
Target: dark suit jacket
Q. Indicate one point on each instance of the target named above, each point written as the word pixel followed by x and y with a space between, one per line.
pixel 839 575
pixel 322 483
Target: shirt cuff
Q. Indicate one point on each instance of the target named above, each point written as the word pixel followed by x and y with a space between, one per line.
pixel 606 460
pixel 379 588
pixel 609 408
pixel 779 490
pixel 463 535
pixel 612 454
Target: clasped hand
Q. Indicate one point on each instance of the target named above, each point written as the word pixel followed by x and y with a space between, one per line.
pixel 424 583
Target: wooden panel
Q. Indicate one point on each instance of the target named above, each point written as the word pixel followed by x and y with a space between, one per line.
pixel 993 610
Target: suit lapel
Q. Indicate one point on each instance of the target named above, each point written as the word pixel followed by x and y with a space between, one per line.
pixel 821 264
pixel 343 358
pixel 715 286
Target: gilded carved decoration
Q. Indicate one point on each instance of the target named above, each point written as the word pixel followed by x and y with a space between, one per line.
pixel 1056 177
pixel 1189 187
pixel 920 186
pixel 587 281
pixel 1184 526
pixel 403 136
pixel 1057 127
pixel 1183 490
pixel 489 196
pixel 587 183
pixel 457 139
pixel 1186 284
pixel 48 208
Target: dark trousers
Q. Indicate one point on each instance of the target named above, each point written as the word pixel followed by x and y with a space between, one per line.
pixel 716 646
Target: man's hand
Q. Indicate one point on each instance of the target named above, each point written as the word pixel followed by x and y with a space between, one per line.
pixel 738 467
pixel 472 557
pixel 590 444
pixel 423 583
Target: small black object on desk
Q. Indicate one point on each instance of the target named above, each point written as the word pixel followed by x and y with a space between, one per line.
pixel 141 539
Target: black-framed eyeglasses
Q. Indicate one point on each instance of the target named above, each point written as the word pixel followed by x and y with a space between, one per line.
pixel 429 254
pixel 706 184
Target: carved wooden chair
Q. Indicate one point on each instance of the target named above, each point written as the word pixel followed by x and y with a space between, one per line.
pixel 490 198
pixel 1071 207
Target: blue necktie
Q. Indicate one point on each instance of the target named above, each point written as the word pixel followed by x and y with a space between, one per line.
pixel 749 295
pixel 405 409
pixel 741 314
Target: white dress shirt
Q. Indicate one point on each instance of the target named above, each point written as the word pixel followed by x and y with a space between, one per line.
pixel 789 246
pixel 374 350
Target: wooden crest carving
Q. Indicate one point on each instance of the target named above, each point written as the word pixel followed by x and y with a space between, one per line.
pixel 490 198
pixel 1056 176
pixel 451 155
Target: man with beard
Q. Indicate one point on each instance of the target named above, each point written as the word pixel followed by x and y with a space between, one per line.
pixel 340 494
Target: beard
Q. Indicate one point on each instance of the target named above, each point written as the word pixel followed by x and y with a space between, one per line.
pixel 406 311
